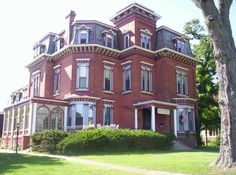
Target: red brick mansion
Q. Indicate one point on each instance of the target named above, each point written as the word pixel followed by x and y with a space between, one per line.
pixel 132 75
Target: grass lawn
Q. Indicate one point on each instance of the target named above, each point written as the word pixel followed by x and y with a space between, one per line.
pixel 191 162
pixel 12 164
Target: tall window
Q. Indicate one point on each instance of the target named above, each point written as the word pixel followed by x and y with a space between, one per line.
pixel 81 114
pixel 146 78
pixel 145 41
pixel 83 36
pixel 186 120
pixel 59 43
pixel 42 118
pixel 5 121
pixel 15 118
pixel 10 121
pixel 57 118
pixel 36 84
pixel 21 117
pixel 181 82
pixel 27 116
pixel 127 77
pixel 107 115
pixel 56 80
pixel 82 81
pixel 108 78
pixel 126 40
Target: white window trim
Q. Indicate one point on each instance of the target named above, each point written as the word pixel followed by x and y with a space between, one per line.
pixel 81 31
pixel 125 68
pixel 186 107
pixel 58 69
pixel 111 113
pixel 112 40
pixel 110 67
pixel 184 73
pixel 82 64
pixel 149 69
pixel 146 36
pixel 128 36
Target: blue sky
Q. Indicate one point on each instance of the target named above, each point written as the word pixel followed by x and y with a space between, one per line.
pixel 24 22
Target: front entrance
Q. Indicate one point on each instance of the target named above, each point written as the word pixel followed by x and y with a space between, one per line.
pixel 147 119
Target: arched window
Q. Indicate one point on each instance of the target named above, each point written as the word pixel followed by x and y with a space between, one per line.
pixel 57 118
pixel 42 118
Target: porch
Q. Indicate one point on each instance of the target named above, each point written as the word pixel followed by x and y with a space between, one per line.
pixel 156 115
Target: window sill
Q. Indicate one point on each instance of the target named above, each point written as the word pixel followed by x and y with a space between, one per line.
pixel 108 92
pixel 82 89
pixel 146 92
pixel 126 92
pixel 56 94
pixel 181 95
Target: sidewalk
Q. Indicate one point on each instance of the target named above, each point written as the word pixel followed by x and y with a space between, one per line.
pixel 101 164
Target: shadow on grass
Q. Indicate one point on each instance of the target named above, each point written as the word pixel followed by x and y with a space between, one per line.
pixel 103 153
pixel 11 162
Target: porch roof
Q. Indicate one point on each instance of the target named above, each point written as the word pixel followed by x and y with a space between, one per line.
pixel 156 103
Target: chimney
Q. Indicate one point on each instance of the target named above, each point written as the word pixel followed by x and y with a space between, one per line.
pixel 68 31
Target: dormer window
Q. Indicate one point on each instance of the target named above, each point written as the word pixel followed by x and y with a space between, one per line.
pixel 145 39
pixel 126 40
pixel 59 43
pixel 109 38
pixel 180 44
pixel 83 37
pixel 38 49
pixel 109 41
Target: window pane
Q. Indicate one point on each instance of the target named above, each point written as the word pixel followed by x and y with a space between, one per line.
pixel 83 38
pixel 82 77
pixel 79 114
pixel 107 115
pixel 107 76
pixel 82 82
pixel 82 71
pixel 109 42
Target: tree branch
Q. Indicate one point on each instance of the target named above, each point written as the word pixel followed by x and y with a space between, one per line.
pixel 224 8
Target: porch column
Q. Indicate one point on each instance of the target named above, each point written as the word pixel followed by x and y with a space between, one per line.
pixel 136 118
pixel 153 121
pixel 65 117
pixel 175 122
pixel 34 119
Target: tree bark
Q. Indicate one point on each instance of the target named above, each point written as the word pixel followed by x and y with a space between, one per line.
pixel 219 29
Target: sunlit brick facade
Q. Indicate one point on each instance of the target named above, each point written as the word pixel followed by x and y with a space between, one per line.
pixel 130 75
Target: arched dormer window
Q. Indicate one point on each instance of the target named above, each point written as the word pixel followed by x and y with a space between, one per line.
pixel 145 38
pixel 39 48
pixel 180 44
pixel 109 38
pixel 126 35
pixel 81 35
pixel 59 43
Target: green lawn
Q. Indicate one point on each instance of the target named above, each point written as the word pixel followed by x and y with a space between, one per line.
pixel 192 162
pixel 12 164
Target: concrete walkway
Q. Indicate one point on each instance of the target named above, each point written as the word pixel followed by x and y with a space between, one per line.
pixel 100 164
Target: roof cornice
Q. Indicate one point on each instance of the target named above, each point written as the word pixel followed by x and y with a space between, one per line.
pixel 70 49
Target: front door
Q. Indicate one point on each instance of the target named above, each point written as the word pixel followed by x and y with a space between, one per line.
pixel 147 119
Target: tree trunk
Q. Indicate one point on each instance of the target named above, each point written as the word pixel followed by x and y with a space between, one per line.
pixel 206 140
pixel 219 29
pixel 227 148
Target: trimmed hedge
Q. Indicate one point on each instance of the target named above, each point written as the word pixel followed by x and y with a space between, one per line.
pixel 47 140
pixel 96 140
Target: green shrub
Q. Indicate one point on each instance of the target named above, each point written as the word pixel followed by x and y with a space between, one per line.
pixel 47 140
pixel 215 143
pixel 96 140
